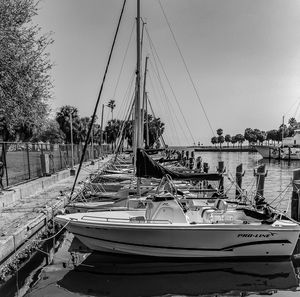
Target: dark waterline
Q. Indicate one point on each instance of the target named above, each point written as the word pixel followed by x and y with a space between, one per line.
pixel 87 274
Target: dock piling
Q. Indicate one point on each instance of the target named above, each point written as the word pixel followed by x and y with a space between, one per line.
pixel 192 160
pixel 187 154
pixel 295 205
pixel 198 162
pixel 239 177
pixel 220 170
pixel 260 174
pixel 205 167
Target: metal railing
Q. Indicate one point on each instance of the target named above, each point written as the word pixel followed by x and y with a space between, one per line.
pixel 127 220
pixel 27 161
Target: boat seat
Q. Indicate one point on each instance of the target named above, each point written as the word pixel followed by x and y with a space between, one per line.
pixel 164 210
pixel 207 214
pixel 221 204
pixel 218 210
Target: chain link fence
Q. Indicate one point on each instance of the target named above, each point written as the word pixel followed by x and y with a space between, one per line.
pixel 27 161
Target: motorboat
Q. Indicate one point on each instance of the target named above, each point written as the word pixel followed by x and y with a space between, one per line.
pixel 289 150
pixel 276 152
pixel 167 228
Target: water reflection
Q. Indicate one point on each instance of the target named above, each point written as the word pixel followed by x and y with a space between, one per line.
pixel 108 275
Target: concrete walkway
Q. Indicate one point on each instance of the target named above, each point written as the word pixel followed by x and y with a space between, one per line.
pixel 25 209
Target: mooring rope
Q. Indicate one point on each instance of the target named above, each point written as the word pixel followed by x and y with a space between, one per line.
pixel 48 238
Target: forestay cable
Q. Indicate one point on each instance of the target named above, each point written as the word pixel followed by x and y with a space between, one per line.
pixel 166 97
pixel 155 54
pixel 124 58
pixel 187 70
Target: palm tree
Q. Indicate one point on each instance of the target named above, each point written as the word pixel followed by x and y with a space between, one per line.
pixel 292 122
pixel 227 139
pixel 220 140
pixel 214 140
pixel 156 130
pixel 112 129
pixel 233 140
pixel 63 117
pixel 220 131
pixel 240 139
pixel 111 104
pixel 83 127
pixel 129 133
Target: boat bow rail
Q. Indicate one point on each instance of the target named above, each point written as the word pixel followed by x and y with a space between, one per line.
pixel 137 219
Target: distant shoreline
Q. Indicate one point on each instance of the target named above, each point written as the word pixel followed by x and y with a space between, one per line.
pixel 222 149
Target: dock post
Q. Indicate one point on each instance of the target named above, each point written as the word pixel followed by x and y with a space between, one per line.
pixel 198 162
pixel 187 154
pixel 295 207
pixel 192 160
pixel 239 177
pixel 179 156
pixel 269 153
pixel 182 154
pixel 220 170
pixel 187 158
pixel 289 154
pixel 205 167
pixel 260 183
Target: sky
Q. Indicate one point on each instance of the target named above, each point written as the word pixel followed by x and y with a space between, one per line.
pixel 230 64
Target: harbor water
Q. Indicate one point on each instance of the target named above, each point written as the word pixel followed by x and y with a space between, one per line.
pixel 78 272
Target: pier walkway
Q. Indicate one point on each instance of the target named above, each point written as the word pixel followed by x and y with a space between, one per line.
pixel 26 209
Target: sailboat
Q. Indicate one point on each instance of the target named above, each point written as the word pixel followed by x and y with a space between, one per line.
pixel 167 228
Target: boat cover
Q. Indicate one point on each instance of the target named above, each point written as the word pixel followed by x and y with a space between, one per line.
pixel 147 167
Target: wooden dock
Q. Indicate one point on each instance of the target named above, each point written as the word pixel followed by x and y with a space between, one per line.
pixel 26 211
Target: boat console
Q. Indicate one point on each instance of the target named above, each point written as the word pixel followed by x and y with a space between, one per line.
pixel 164 207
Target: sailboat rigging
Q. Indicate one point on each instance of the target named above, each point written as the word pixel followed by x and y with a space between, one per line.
pixel 182 228
pixel 98 99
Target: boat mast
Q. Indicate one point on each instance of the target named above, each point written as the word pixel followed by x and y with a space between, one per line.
pixel 137 126
pixel 282 132
pixel 101 130
pixel 147 123
pixel 144 100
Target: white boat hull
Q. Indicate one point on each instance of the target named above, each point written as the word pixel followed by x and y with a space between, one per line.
pixel 183 240
pixel 267 152
pixel 273 153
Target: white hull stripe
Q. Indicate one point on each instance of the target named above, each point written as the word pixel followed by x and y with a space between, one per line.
pixel 228 248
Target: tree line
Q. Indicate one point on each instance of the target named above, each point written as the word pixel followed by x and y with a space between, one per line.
pixel 58 130
pixel 26 85
pixel 256 136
